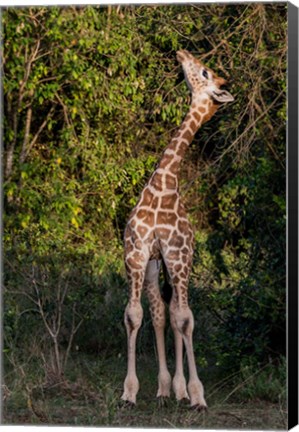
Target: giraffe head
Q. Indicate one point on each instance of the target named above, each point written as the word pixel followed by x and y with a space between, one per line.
pixel 201 79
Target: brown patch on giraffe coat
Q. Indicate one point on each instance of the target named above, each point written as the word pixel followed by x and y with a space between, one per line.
pixel 155 202
pixel 212 109
pixel 173 144
pixel 193 126
pixel 174 167
pixel 133 264
pixel 202 109
pixel 183 226
pixel 142 230
pixel 129 247
pixel 187 135
pixel 171 182
pixel 166 218
pixel 197 116
pixel 128 232
pixel 149 219
pixel 182 211
pixel 162 233
pixel 147 216
pixel 173 255
pixel 182 149
pixel 178 267
pixel 138 244
pixel 147 198
pixel 175 280
pixel 166 160
pixel 141 213
pixel 177 241
pixel 156 181
pixel 168 201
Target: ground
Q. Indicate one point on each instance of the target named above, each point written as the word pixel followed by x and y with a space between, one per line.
pixel 90 396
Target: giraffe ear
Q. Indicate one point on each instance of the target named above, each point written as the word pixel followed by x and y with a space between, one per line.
pixel 222 96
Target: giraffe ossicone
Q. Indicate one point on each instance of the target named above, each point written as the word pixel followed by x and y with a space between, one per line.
pixel 159 232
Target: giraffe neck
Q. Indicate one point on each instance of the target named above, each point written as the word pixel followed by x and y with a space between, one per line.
pixel 165 176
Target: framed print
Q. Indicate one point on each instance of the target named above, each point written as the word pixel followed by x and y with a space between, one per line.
pixel 150 215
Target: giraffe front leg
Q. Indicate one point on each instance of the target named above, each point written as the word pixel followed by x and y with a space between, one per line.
pixel 135 266
pixel 133 319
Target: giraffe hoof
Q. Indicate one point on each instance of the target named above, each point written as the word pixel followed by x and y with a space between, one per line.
pixel 126 404
pixel 162 401
pixel 199 408
pixel 184 401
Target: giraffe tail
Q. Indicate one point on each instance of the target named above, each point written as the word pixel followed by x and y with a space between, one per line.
pixel 166 291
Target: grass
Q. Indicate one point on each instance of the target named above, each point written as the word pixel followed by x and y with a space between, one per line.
pixel 91 394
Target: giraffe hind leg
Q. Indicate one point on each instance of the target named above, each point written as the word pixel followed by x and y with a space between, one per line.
pixel 182 322
pixel 157 308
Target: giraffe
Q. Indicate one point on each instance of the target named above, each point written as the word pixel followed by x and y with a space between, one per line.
pixel 158 231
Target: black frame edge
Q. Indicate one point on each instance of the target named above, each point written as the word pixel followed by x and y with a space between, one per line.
pixel 292 307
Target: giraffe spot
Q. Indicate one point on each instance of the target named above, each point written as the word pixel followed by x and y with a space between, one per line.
pixel 183 126
pixel 166 160
pixel 142 230
pixel 168 201
pixel 197 116
pixel 155 202
pixel 133 264
pixel 133 223
pixel 175 280
pixel 166 218
pixel 138 244
pixel 173 144
pixel 185 250
pixel 182 149
pixel 187 135
pixel 149 219
pixel 202 109
pixel 174 167
pixel 178 267
pixel 184 273
pixel 147 197
pixel 181 211
pixel 162 233
pixel 171 182
pixel 156 181
pixel 129 247
pixel 210 113
pixel 177 241
pixel 193 126
pixel 173 255
pixel 141 214
pixel 128 232
pixel 183 226
pixel 205 101
pixel 147 216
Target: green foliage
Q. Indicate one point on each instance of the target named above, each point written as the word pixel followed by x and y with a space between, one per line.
pixel 266 383
pixel 91 97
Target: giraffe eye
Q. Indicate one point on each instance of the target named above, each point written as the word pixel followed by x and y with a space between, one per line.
pixel 205 74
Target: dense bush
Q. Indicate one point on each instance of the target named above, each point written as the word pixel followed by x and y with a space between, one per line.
pixel 91 97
